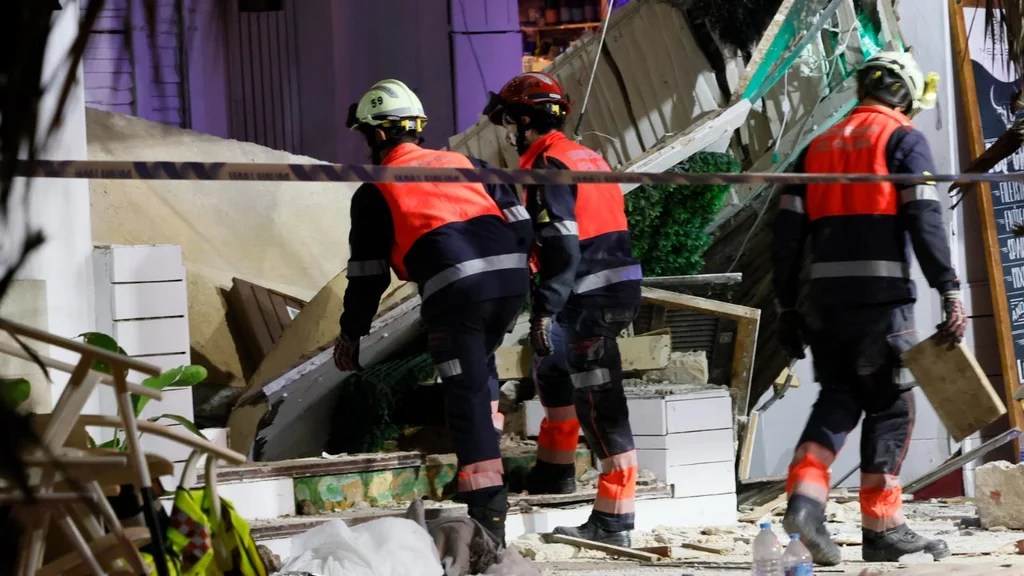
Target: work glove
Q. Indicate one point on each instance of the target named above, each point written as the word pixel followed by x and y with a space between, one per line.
pixel 346 353
pixel 789 334
pixel 540 335
pixel 954 318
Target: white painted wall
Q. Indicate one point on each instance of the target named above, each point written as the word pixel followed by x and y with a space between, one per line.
pixel 60 207
pixel 925 27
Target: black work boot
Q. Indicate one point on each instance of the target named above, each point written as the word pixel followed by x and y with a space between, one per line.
pixel 490 511
pixel 548 478
pixel 806 516
pixel 591 531
pixel 890 545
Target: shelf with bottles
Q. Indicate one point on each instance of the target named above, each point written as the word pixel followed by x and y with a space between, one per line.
pixel 561 27
pixel 560 15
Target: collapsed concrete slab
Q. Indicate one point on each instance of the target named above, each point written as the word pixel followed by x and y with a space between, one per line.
pixel 291 237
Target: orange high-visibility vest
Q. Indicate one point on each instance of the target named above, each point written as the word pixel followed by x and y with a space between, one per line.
pixel 600 208
pixel 856 145
pixel 421 207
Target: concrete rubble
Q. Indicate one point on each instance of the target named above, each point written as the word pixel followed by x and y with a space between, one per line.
pixel 975 551
pixel 999 490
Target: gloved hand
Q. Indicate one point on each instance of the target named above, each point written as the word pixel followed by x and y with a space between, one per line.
pixel 540 335
pixel 346 354
pixel 954 318
pixel 789 334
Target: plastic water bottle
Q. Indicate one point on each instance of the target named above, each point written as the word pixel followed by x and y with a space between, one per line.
pixel 797 559
pixel 767 553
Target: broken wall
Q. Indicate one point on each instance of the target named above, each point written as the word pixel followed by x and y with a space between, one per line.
pixel 291 237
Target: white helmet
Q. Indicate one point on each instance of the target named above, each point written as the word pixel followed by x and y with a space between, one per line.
pixel 896 79
pixel 388 103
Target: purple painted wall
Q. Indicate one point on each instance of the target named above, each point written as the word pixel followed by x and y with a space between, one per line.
pixel 285 79
pixel 487 50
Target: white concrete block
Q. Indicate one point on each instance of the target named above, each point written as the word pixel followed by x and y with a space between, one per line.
pixel 647 416
pixel 690 415
pixel 158 336
pixel 149 300
pixel 702 479
pixel 147 263
pixel 261 499
pixel 691 447
pixel 999 494
pixel 175 401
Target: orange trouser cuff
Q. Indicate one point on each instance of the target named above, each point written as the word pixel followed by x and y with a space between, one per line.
pixel 881 502
pixel 810 473
pixel 561 436
pixel 616 491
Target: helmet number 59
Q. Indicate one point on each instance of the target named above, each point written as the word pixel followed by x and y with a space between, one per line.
pixel 378 101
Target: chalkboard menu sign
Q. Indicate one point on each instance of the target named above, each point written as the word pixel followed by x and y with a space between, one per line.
pixel 996 86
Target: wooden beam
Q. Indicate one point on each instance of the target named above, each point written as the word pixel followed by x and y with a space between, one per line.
pixel 638 353
pixel 606 548
pixel 697 280
pixel 762 48
pixel 18 352
pixel 989 235
pixel 747 447
pixel 698 304
pixel 745 344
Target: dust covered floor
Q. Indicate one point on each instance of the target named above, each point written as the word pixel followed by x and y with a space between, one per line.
pixel 976 552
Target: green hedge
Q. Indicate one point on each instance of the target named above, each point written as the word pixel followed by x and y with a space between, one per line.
pixel 667 222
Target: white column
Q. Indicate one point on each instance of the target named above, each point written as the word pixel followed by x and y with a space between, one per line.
pixel 60 207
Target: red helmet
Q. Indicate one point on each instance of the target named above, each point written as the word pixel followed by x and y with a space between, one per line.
pixel 533 91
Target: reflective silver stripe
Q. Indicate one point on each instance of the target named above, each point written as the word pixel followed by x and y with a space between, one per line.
pixel 919 192
pixel 564 228
pixel 791 203
pixel 358 268
pixel 449 368
pixel 874 268
pixel 593 378
pixel 607 277
pixel 515 214
pixel 471 267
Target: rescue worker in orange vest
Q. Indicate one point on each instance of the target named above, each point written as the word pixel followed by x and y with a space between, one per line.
pixel 589 284
pixel 859 314
pixel 455 241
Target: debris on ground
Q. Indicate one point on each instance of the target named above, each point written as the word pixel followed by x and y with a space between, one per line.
pixel 999 494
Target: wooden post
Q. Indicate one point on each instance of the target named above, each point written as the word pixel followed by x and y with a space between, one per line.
pixel 989 234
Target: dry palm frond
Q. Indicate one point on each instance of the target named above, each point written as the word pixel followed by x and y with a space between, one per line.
pixel 25 28
pixel 1004 24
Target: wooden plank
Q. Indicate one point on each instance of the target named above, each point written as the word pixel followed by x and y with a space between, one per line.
pixel 638 353
pixel 698 304
pixel 706 548
pixel 606 548
pixel 747 447
pixel 663 551
pixel 955 385
pixel 990 235
pixel 267 313
pixel 246 311
pixel 757 513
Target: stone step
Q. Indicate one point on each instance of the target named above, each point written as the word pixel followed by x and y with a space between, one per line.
pixel 654 507
pixel 270 490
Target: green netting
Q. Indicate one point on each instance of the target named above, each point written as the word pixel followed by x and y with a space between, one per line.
pixel 364 415
pixel 668 223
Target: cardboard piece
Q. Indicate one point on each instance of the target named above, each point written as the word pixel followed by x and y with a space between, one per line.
pixel 956 386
